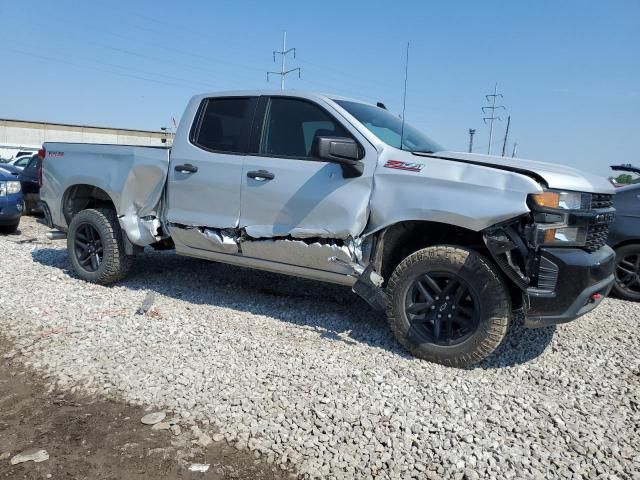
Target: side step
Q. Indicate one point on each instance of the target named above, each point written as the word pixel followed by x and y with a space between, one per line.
pixel 56 235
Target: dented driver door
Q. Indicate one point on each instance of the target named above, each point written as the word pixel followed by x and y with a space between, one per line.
pixel 287 194
pixel 205 171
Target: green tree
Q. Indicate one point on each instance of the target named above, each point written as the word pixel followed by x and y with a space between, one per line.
pixel 624 179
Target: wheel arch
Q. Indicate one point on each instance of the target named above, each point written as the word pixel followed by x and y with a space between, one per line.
pixel 624 243
pixel 82 196
pixel 399 240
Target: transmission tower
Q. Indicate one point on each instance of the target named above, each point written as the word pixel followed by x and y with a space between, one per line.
pixel 491 98
pixel 283 57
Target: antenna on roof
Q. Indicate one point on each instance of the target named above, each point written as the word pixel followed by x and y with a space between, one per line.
pixel 404 97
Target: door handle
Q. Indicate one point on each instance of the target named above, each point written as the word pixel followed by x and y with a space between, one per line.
pixel 186 168
pixel 261 175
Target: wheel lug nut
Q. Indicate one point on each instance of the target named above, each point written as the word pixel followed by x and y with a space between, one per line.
pixel 453 307
pixel 437 298
pixel 449 315
pixel 447 298
pixel 433 307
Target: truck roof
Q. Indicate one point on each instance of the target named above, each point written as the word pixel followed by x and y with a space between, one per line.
pixel 283 93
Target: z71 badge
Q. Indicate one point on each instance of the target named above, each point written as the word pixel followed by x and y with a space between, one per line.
pixel 398 165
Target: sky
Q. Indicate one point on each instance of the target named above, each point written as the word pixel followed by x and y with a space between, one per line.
pixel 569 71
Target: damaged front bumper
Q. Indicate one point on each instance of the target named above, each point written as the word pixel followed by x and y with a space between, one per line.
pixel 573 283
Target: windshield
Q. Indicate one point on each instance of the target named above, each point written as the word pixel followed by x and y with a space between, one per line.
pixel 388 128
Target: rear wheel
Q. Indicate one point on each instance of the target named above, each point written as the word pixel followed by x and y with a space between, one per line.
pixel 448 306
pixel 96 247
pixel 627 284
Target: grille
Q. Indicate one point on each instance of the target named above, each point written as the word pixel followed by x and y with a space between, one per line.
pixel 596 237
pixel 601 200
pixel 548 275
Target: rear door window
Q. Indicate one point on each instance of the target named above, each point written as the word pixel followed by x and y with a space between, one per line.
pixel 223 124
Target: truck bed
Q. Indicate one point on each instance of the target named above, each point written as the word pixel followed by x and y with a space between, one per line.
pixel 132 177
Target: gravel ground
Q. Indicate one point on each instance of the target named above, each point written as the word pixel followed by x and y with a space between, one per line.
pixel 308 377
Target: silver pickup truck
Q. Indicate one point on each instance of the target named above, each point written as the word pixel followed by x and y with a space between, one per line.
pixel 449 244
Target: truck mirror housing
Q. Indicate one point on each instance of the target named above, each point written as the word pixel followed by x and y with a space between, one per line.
pixel 342 150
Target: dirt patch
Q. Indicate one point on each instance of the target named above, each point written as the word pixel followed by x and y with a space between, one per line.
pixel 90 438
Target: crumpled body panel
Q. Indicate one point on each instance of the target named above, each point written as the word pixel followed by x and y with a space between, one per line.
pixel 133 178
pixel 469 196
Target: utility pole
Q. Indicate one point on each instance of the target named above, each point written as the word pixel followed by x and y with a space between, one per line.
pixel 472 132
pixel 515 150
pixel 506 135
pixel 283 57
pixel 492 116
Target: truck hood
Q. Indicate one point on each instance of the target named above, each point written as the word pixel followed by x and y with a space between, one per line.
pixel 558 177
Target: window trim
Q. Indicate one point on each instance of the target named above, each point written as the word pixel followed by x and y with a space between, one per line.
pixel 245 129
pixel 258 129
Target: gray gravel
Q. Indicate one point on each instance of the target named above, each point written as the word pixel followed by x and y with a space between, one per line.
pixel 307 376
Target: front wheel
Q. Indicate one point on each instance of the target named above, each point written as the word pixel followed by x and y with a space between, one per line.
pixel 627 284
pixel 448 305
pixel 96 247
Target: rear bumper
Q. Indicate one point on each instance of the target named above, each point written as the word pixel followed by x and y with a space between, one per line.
pixel 583 280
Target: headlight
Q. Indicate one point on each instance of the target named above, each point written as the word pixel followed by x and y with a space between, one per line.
pixel 550 199
pixel 13 187
pixel 7 188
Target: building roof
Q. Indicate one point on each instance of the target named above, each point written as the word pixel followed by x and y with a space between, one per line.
pixel 14 120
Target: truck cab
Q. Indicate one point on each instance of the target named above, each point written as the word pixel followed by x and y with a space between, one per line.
pixel 448 244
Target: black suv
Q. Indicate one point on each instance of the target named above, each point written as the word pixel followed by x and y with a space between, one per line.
pixel 30 185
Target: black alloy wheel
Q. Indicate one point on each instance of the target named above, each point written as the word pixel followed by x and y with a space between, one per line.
pixel 442 308
pixel 89 250
pixel 627 284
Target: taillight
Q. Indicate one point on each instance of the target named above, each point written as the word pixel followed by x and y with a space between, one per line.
pixel 41 154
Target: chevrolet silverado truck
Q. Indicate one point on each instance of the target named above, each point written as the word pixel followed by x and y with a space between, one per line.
pixel 450 244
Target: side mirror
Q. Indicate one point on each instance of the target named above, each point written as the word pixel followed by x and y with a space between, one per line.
pixel 342 150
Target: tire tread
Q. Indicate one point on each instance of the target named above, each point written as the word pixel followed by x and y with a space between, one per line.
pixel 498 322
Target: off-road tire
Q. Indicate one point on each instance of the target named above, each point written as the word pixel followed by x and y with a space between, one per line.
pixel 625 293
pixel 115 263
pixel 478 273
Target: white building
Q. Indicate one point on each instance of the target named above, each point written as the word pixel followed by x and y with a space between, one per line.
pixel 21 135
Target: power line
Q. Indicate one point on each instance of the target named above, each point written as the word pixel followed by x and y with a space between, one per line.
pixel 283 57
pixel 99 69
pixel 492 116
pixel 357 85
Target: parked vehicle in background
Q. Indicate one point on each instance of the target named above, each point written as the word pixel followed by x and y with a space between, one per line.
pixel 342 191
pixel 21 161
pixel 624 236
pixel 31 185
pixel 22 153
pixel 11 204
